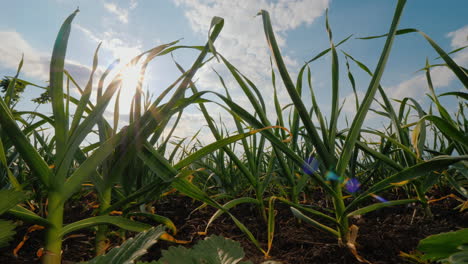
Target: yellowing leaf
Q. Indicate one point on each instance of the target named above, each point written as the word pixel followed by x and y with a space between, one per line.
pixel 352 236
pixel 170 238
pixel 399 183
pixel 415 137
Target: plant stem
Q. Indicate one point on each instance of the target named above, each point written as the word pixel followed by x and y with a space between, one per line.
pixel 421 196
pixel 101 233
pixel 261 207
pixel 342 219
pixel 53 239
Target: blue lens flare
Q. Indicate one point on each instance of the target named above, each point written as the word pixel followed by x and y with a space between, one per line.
pixel 352 185
pixel 379 198
pixel 313 165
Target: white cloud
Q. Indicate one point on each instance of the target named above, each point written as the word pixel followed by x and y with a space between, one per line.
pixel 441 76
pixel 121 13
pixel 11 48
pixel 350 102
pixel 416 87
pixel 459 37
pixel 133 4
pixel 114 43
pixel 36 63
pixel 242 40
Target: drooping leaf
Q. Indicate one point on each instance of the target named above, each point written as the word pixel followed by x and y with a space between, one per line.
pixel 298 214
pixel 131 249
pixel 28 216
pixel 119 221
pixel 159 219
pixel 377 206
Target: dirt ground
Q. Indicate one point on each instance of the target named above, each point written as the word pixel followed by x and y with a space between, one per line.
pixel 383 234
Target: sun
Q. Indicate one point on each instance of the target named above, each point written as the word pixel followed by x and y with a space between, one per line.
pixel 131 76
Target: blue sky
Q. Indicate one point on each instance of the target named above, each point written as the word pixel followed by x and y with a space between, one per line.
pixel 129 27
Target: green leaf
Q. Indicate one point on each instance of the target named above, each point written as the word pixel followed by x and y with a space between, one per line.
pixel 356 125
pixel 245 171
pixel 443 245
pixel 89 166
pixel 210 149
pixel 28 216
pixel 335 91
pixel 457 70
pixel 314 223
pixel 459 257
pixel 156 188
pixel 214 21
pixel 9 96
pixel 159 219
pixel 6 232
pixel 131 249
pixel 119 221
pixel 23 145
pixel 322 151
pixel 448 129
pixel 56 87
pixel 9 199
pixel 81 130
pixel 227 206
pixel 458 184
pixel 308 210
pixel 80 109
pixel 418 170
pixel 249 118
pixel 178 254
pixel 459 94
pixel 377 206
pixel 3 160
pixel 212 250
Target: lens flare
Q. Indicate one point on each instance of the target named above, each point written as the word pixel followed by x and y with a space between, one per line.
pixel 313 165
pixel 331 176
pixel 381 199
pixel 352 185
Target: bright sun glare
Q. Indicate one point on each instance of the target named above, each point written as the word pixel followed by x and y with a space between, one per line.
pixel 131 74
pixel 130 77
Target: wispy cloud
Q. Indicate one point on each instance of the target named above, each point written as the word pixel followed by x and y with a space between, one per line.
pixel 112 42
pixel 133 4
pixel 121 13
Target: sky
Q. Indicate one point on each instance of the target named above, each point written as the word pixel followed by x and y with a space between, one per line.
pixel 127 28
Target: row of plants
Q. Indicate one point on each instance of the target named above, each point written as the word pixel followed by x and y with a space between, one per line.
pixel 45 159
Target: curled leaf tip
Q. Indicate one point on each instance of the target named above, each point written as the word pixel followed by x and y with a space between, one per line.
pixel 261 12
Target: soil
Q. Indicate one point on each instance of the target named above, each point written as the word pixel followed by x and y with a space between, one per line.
pixel 383 234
